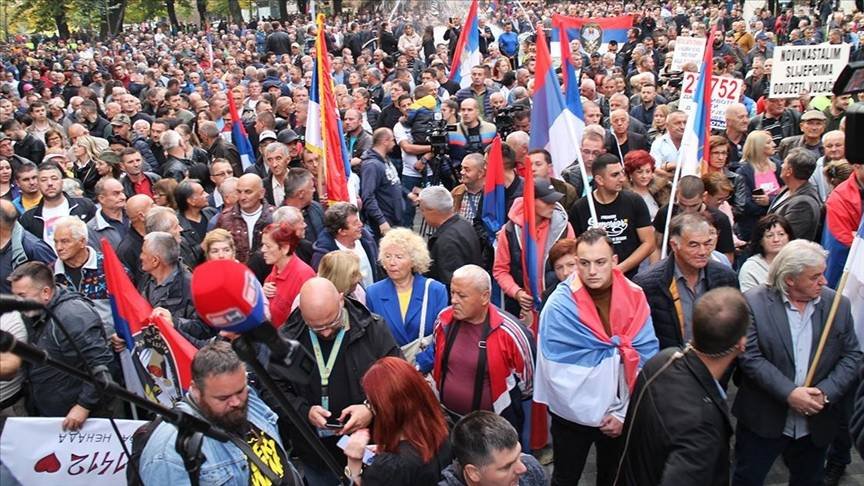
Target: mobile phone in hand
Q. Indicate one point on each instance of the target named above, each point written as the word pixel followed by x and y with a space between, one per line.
pixel 759 192
pixel 334 424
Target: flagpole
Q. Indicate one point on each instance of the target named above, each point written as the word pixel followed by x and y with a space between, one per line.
pixel 393 12
pixel 672 198
pixel 527 15
pixel 829 323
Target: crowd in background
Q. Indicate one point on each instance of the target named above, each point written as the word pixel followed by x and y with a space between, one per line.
pixel 130 140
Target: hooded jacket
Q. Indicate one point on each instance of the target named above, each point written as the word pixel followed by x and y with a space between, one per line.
pixel 507 270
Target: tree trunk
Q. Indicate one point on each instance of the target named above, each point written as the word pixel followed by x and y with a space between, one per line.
pixel 337 7
pixel 301 7
pixel 234 12
pixel 201 5
pixel 116 13
pixel 283 9
pixel 62 24
pixel 172 15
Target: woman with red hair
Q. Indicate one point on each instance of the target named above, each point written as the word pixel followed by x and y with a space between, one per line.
pixel 409 430
pixel 278 242
pixel 639 166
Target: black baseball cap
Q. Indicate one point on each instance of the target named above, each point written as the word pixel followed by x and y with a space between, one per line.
pixel 545 191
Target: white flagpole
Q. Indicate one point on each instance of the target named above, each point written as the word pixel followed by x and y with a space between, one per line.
pixel 672 198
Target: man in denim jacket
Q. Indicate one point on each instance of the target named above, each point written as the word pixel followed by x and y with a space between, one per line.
pixel 220 394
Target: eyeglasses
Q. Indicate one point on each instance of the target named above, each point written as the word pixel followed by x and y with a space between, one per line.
pixel 338 322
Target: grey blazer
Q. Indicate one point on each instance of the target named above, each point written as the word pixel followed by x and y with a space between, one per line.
pixel 803 211
pixel 768 366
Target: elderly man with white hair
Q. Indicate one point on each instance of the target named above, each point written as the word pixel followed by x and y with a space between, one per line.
pixel 834 143
pixel 505 364
pixel 454 242
pixel 779 411
pixel 176 164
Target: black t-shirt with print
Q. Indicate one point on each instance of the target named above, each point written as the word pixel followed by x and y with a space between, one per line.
pixel 620 218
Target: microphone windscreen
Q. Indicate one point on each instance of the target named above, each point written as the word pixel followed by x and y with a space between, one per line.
pixel 227 296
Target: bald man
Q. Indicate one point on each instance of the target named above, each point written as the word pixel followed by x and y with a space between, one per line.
pixel 248 218
pixel 834 143
pixel 329 323
pixel 129 249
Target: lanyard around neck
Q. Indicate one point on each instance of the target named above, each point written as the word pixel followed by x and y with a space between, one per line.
pixel 325 369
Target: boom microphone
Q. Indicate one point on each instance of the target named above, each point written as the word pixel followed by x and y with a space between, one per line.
pixel 11 302
pixel 228 297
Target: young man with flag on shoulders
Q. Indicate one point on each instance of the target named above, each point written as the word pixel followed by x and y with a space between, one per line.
pixel 584 345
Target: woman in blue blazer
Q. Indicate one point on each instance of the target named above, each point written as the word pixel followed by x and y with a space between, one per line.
pixel 406 299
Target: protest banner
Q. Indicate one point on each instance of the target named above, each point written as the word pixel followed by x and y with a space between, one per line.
pixel 725 90
pixel 39 451
pixel 687 50
pixel 807 68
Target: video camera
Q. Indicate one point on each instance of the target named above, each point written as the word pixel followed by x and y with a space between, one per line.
pixel 442 168
pixel 504 119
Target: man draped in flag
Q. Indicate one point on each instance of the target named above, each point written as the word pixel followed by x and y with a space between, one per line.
pixel 239 135
pixel 324 127
pixel 553 126
pixel 589 352
pixel 467 53
pixel 156 359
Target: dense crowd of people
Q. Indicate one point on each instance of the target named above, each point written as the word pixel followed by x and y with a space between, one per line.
pixel 436 361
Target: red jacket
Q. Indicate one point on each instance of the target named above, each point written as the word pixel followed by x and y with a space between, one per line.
pixel 288 283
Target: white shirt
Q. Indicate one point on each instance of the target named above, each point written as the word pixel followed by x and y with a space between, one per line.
pixel 400 133
pixel 50 217
pixel 365 265
pixel 251 219
pixel 664 151
pixel 278 193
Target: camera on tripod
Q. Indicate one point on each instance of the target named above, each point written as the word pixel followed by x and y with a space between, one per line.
pixel 504 119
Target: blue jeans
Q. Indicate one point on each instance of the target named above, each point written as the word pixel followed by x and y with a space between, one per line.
pixel 754 456
pixel 409 183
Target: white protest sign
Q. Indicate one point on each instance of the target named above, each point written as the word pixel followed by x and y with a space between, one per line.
pixel 725 91
pixel 811 68
pixel 688 49
pixel 39 451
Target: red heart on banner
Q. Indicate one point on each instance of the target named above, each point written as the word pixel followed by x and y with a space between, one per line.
pixel 49 464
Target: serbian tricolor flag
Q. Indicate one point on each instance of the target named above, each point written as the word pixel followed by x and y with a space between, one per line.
pixel 494 211
pixel 854 287
pixel 157 361
pixel 593 33
pixel 697 131
pixel 529 236
pixel 574 351
pixel 843 213
pixel 467 53
pixel 239 136
pixel 324 127
pixel 553 126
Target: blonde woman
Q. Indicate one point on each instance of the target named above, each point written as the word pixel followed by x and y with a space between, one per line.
pixel 757 183
pixel 342 267
pixel 218 244
pixel 407 300
pixel 86 150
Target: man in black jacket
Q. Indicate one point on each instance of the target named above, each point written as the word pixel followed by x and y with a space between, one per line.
pixel 52 394
pixel 678 420
pixel 454 243
pixel 278 42
pixel 674 284
pixel 346 339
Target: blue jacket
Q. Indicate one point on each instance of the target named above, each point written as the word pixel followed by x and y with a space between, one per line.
pixel 225 464
pixel 381 298
pixel 381 191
